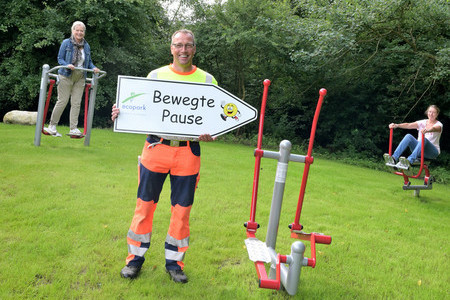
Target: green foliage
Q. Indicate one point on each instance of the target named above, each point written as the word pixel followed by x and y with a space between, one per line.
pixel 385 64
pixel 381 61
pixel 124 36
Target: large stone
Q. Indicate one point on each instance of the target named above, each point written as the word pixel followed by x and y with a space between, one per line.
pixel 20 117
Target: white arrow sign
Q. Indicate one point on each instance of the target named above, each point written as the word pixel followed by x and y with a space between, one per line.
pixel 175 108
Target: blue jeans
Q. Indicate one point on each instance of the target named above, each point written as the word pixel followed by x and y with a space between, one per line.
pixel 415 146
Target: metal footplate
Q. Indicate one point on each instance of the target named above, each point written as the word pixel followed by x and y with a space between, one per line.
pixel 257 250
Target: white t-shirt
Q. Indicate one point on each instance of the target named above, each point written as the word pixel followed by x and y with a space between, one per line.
pixel 81 61
pixel 433 137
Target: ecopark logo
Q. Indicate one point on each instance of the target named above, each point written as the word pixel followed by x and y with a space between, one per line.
pixel 129 103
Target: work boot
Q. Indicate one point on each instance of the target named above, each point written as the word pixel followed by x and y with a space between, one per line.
pixel 130 272
pixel 178 276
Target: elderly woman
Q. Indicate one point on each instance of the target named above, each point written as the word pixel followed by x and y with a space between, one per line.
pixel 74 52
pixel 431 128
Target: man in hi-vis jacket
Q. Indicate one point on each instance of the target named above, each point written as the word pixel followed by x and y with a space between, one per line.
pixel 162 156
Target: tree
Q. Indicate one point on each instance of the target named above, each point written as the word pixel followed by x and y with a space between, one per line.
pixel 244 42
pixel 388 60
pixel 380 60
pixel 124 36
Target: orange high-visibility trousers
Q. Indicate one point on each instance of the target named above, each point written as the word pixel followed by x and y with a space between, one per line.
pixel 157 161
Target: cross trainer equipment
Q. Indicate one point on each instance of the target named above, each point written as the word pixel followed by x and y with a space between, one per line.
pixel 44 102
pixel 284 269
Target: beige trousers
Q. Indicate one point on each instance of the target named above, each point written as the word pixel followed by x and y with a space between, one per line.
pixel 69 87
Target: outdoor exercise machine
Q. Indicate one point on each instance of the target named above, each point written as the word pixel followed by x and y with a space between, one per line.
pixel 89 103
pixel 284 269
pixel 423 166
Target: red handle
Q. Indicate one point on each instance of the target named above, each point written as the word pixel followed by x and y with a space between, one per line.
pixel 49 95
pixel 86 105
pixel 251 223
pixel 422 157
pixel 308 160
pixel 323 239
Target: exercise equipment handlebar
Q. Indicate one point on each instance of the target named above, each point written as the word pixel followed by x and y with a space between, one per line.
pixel 308 161
pixel 102 73
pixel 251 225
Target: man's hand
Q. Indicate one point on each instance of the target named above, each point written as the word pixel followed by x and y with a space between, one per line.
pixel 115 112
pixel 206 138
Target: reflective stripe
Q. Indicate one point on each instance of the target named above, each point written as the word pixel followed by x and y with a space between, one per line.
pixel 174 255
pixel 143 238
pixel 153 75
pixel 209 78
pixel 136 250
pixel 179 243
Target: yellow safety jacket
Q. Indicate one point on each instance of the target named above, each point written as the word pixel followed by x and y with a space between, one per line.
pixel 196 75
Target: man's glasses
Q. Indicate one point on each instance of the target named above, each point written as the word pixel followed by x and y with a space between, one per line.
pixel 181 46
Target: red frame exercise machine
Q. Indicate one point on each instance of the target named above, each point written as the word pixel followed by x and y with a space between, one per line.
pixel 44 100
pixel 284 269
pixel 427 178
pixel 86 103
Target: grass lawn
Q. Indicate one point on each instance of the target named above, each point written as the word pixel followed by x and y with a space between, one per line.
pixel 66 208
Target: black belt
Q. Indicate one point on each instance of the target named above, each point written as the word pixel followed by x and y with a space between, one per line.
pixel 173 143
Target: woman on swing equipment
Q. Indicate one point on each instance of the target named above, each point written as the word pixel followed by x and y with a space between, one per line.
pixel 431 128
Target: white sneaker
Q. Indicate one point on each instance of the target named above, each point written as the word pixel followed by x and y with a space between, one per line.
pixel 51 129
pixel 407 170
pixel 389 160
pixel 75 132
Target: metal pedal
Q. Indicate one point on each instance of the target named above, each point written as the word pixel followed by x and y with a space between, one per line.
pixel 257 250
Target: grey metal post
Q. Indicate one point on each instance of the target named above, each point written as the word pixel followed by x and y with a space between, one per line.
pixel 295 268
pixel 291 269
pixel 277 201
pixel 278 191
pixel 290 275
pixel 90 116
pixel 41 105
